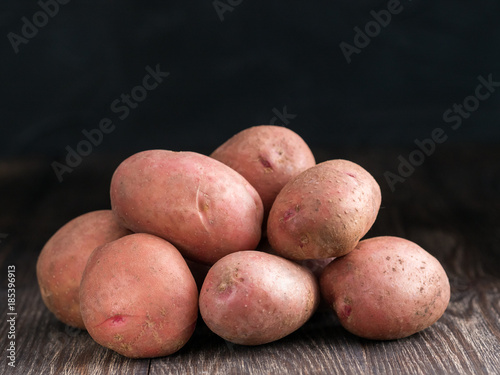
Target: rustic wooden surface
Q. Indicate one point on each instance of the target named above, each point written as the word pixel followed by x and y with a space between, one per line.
pixel 450 206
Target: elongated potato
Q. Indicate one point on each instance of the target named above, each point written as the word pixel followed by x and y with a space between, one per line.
pixel 386 288
pixel 138 297
pixel 268 157
pixel 203 207
pixel 324 211
pixel 62 260
pixel 252 298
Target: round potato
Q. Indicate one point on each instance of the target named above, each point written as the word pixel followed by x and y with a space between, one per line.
pixel 63 258
pixel 268 157
pixel 253 298
pixel 138 297
pixel 386 288
pixel 324 211
pixel 203 207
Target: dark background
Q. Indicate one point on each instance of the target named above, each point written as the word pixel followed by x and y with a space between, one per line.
pixel 228 75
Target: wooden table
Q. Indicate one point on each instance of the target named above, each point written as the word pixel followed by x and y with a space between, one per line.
pixel 449 206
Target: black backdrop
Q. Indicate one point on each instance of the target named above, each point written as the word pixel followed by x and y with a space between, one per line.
pixel 240 66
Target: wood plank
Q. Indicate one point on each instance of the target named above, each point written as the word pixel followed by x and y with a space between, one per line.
pixel 450 206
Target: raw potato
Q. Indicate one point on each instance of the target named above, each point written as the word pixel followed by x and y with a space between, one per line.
pixel 268 157
pixel 387 288
pixel 62 260
pixel 324 211
pixel 203 207
pixel 138 297
pixel 253 298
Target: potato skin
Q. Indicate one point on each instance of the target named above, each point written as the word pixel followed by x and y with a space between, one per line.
pixel 63 258
pixel 140 309
pixel 252 298
pixel 201 206
pixel 268 157
pixel 324 211
pixel 387 288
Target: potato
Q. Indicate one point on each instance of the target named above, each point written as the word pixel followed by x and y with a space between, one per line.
pixel 387 288
pixel 138 297
pixel 268 157
pixel 324 211
pixel 252 298
pixel 62 260
pixel 203 207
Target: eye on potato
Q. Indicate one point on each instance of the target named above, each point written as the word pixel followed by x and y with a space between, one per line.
pixel 324 211
pixel 386 288
pixel 203 207
pixel 138 297
pixel 252 298
pixel 63 258
pixel 268 157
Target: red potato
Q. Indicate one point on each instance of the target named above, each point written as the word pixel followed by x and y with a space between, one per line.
pixel 268 157
pixel 63 258
pixel 324 211
pixel 138 297
pixel 386 288
pixel 203 207
pixel 252 298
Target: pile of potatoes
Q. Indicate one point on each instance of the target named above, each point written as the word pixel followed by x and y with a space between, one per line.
pixel 250 237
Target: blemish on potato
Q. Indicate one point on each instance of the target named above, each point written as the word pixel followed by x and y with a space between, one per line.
pixel 117 319
pixel 304 240
pixel 266 164
pixel 126 346
pixel 289 214
pixel 347 310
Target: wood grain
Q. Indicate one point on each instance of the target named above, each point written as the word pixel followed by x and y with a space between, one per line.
pixel 449 206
